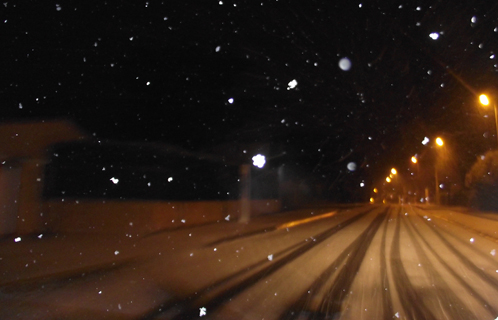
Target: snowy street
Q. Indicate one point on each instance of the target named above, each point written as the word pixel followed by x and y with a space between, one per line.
pixel 367 262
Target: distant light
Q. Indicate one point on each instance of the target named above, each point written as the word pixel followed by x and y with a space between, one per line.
pixel 218 48
pixel 473 19
pixel 362 184
pixel 114 180
pixel 393 171
pixel 259 160
pixel 345 64
pixel 434 35
pixel 388 179
pixel 375 190
pixel 292 84
pixel 170 179
pixel 441 186
pixel 483 99
pixel 230 100
pixel 439 141
pixel 414 159
pixel 425 141
pixel 372 200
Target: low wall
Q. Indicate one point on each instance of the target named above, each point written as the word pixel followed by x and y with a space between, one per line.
pixel 142 217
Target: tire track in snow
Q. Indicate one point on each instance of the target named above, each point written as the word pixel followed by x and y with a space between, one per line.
pixel 332 301
pixel 411 299
pixel 449 302
pixel 450 270
pixel 188 307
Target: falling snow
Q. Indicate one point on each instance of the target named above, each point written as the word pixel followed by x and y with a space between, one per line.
pixel 292 84
pixel 202 312
pixel 345 64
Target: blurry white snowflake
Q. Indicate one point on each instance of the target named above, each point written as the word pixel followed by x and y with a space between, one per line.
pixel 202 312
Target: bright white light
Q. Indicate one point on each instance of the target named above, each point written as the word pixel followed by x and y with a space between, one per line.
pixel 345 64
pixel 114 180
pixel 202 311
pixel 425 141
pixel 472 240
pixel 434 35
pixel 474 19
pixel 18 239
pixel 259 160
pixel 170 179
pixel 230 100
pixel 292 84
pixel 351 166
pixel 362 184
pixel 218 48
pixel 441 186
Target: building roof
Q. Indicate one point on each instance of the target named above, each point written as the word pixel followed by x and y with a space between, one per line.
pixel 31 139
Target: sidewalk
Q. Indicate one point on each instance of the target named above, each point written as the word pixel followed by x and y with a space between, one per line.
pixel 41 257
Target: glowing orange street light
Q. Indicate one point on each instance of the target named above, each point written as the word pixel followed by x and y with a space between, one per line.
pixel 388 179
pixel 393 171
pixel 439 141
pixel 484 100
pixel 414 160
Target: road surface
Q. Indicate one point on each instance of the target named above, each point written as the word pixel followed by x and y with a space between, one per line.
pixel 358 262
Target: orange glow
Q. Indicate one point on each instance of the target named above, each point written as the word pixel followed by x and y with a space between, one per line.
pixel 484 100
pixel 439 142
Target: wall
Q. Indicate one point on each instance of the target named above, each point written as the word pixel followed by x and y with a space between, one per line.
pixel 142 217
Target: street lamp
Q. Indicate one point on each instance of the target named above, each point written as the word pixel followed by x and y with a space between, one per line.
pixel 485 101
pixel 439 141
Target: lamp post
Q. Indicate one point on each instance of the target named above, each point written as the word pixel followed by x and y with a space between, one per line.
pixel 245 182
pixel 485 101
pixel 439 143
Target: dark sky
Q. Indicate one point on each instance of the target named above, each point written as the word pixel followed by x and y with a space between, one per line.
pixel 168 71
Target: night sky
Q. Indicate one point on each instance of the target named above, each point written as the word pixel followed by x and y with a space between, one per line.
pixel 202 74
